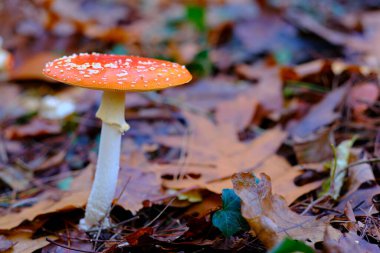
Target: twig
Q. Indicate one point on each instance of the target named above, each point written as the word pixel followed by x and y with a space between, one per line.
pixel 163 210
pixel 67 247
pixel 310 206
pixel 373 160
pixel 322 207
pixel 117 224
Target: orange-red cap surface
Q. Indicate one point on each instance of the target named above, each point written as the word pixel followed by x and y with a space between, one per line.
pixel 116 72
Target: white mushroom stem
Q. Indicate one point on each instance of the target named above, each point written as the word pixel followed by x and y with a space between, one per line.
pixel 111 112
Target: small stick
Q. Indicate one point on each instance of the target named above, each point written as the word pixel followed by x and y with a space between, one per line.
pixel 313 204
pixel 163 210
pixel 67 247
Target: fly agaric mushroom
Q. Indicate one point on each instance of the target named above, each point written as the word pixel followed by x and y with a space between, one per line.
pixel 115 75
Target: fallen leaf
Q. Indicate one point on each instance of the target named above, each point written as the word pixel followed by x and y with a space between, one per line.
pixel 133 239
pixel 36 128
pixel 214 158
pixel 348 242
pixel 70 239
pixel 315 148
pixel 30 69
pixel 10 100
pixel 5 244
pixel 308 23
pixel 359 174
pixel 136 185
pixel 320 115
pixel 361 200
pixel 268 90
pixel 76 197
pixel 269 216
pixel 265 32
pixel 361 97
pixel 205 94
pixel 17 179
pixel 25 243
pixel 282 176
pixel 238 112
pixel 54 160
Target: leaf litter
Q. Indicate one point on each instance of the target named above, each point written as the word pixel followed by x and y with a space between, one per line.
pixel 246 112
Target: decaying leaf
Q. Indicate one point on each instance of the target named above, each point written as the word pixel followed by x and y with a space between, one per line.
pixel 269 216
pixel 237 112
pixel 5 244
pixel 76 197
pixel 214 158
pixel 316 148
pixel 268 90
pixel 135 186
pixel 23 242
pixel 361 97
pixel 349 242
pixel 359 174
pixel 37 127
pixel 320 115
pixel 282 176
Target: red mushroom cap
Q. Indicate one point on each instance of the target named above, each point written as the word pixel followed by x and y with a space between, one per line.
pixel 116 72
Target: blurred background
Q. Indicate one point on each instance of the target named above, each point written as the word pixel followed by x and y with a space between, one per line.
pixel 210 37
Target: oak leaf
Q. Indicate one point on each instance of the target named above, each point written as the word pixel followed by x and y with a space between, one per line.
pixel 269 216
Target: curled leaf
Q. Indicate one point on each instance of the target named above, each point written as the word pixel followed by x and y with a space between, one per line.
pixel 269 216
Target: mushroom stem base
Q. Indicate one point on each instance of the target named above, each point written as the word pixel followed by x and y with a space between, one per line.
pixel 105 182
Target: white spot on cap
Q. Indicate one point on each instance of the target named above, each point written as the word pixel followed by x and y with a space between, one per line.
pixel 123 73
pixel 96 65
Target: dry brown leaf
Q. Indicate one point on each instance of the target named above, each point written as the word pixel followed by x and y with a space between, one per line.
pixel 316 148
pixel 32 66
pixel 54 160
pixel 10 100
pixel 282 175
pixel 16 178
pixel 361 97
pixel 308 23
pixel 75 198
pixel 268 90
pixel 359 174
pixel 205 94
pixel 24 242
pixel 349 242
pixel 320 115
pixel 369 43
pixel 238 112
pixel 134 186
pixel 214 153
pixel 5 244
pixel 269 216
pixel 37 127
pixel 266 31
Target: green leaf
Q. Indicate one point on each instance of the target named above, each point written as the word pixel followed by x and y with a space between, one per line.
pixel 289 245
pixel 229 220
pixel 197 16
pixel 333 185
pixel 201 64
pixel 231 200
pixel 119 49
